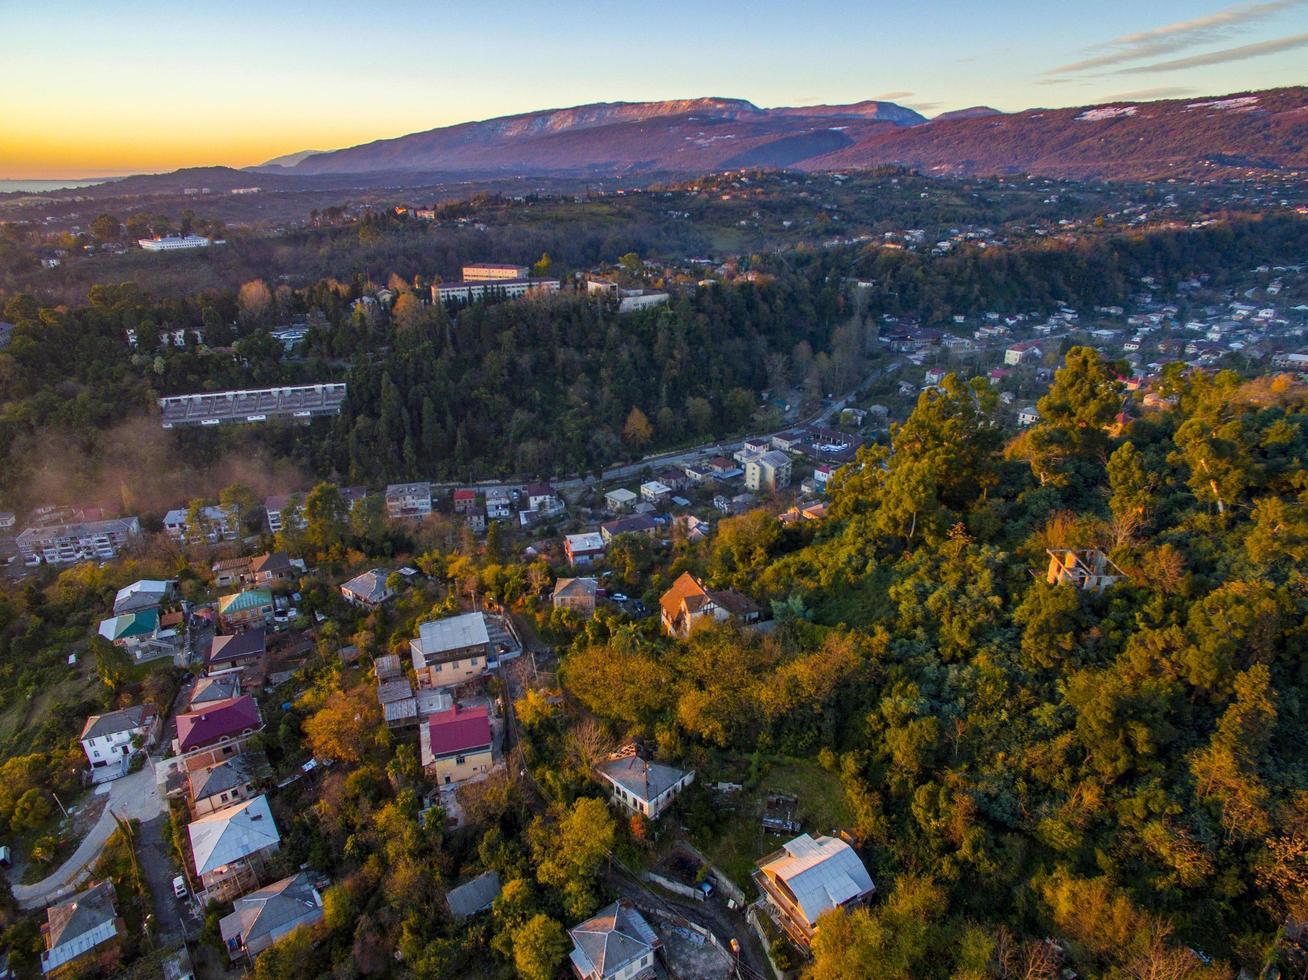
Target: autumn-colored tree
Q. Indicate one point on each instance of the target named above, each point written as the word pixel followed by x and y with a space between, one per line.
pixel 539 947
pixel 637 431
pixel 347 727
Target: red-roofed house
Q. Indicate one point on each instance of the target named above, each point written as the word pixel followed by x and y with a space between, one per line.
pixel 1026 350
pixel 456 744
pixel 216 731
pixel 464 501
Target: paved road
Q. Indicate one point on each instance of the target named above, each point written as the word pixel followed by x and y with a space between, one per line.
pixel 158 870
pixel 135 796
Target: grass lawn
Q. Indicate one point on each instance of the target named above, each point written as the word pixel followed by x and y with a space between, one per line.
pixel 742 840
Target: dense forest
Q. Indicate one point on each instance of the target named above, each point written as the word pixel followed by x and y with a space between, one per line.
pixel 539 387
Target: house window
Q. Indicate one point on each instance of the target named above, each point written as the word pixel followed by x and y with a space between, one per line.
pixel 472 662
pixel 459 760
pixel 644 961
pixel 436 668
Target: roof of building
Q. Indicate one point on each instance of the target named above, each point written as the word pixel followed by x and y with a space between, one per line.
pixel 141 595
pixel 369 586
pixel 611 938
pixel 232 833
pixel 686 591
pixel 272 563
pixel 387 667
pixel 223 687
pixel 129 625
pixel 271 911
pixel 622 495
pixel 586 541
pixel 735 603
pixel 453 633
pixel 773 458
pixel 575 588
pixel 231 564
pixel 821 873
pixel 122 720
pixel 236 646
pixel 408 489
pixel 241 601
pixel 225 776
pixel 636 524
pixel 394 690
pixel 221 719
pixel 473 896
pixel 459 730
pixel 644 780
pixel 81 914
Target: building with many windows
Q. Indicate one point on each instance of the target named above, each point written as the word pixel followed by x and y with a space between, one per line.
pixel 465 292
pixel 302 402
pixel 58 544
pixel 174 243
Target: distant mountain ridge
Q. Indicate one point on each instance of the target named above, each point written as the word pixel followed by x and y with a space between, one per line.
pixel 1199 137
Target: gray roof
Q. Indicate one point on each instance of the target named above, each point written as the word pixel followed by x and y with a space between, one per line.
pixel 474 896
pixel 821 873
pixel 81 914
pixel 273 910
pixel 614 937
pixel 228 775
pixel 122 720
pixel 645 780
pixel 219 688
pixel 369 586
pixel 454 633
pixel 228 835
pixel 387 667
pixel 396 690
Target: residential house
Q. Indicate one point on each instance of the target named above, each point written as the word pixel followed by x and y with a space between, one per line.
pixel 217 524
pixel 219 786
pixel 771 471
pixel 619 500
pixel 110 740
pixel 584 548
pixel 643 787
pixel 143 635
pixel 272 567
pixel 261 918
pixel 693 527
pixel 1086 569
pixel 477 895
pixel 216 731
pixel 408 500
pixel 1028 417
pixel 228 847
pixel 142 595
pixel 475 518
pixel 577 594
pixel 455 745
pixel 210 690
pixel 655 491
pixel 810 876
pixel 1022 352
pixel 688 603
pixel 615 944
pixel 368 590
pixel 543 499
pixel 499 504
pixel 230 571
pixel 636 524
pixel 246 610
pixel 83 931
pixel 236 649
pixel 747 451
pixel 451 651
pixel 934 375
pixel 464 500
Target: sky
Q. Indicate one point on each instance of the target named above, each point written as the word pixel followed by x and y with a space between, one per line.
pixel 133 86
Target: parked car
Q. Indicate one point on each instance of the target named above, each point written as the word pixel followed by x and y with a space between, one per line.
pixel 179 887
pixel 618 597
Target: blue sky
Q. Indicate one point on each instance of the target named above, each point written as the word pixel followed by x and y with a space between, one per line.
pixel 96 87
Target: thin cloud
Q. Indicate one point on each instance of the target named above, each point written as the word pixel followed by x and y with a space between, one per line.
pixel 923 106
pixel 1144 94
pixel 1242 53
pixel 891 96
pixel 1178 36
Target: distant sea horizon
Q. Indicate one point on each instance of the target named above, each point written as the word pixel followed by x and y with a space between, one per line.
pixel 39 186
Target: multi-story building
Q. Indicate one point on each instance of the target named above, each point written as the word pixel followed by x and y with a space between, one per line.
pixel 174 243
pixel 229 847
pixel 253 405
pixel 451 651
pixel 771 471
pixel 643 787
pixel 58 544
pixel 463 293
pixel 493 272
pixel 283 511
pixel 261 918
pixel 110 740
pixel 455 745
pixel 408 500
pixel 218 524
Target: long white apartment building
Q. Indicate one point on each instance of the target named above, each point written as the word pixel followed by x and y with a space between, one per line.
pixel 174 243
pixel 472 291
pixel 253 405
pixel 61 544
